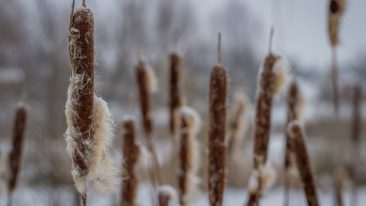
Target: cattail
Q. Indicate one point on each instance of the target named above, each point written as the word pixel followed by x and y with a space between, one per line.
pixel 146 82
pixel 294 107
pixel 17 146
pixel 166 194
pixel 335 11
pixel 271 79
pixel 189 158
pixel 175 93
pixel 297 135
pixel 356 122
pixel 90 127
pixel 237 124
pixel 131 154
pixel 216 145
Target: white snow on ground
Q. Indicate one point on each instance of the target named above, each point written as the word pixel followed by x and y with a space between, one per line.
pixel 45 196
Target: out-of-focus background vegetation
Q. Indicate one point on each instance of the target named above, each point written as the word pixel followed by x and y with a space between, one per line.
pixel 34 66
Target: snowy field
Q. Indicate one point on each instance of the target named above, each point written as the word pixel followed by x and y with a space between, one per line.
pixel 64 197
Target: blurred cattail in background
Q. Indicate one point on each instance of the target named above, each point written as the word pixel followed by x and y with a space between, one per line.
pixel 216 144
pixel 90 127
pixel 297 138
pixel 166 194
pixel 294 107
pixel 335 12
pixel 131 155
pixel 15 154
pixel 189 154
pixel 238 124
pixel 175 93
pixel 271 78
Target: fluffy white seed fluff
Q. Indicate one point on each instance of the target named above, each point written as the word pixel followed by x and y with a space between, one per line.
pixel 194 124
pixel 268 176
pixel 151 80
pixel 280 69
pixel 168 191
pixel 101 171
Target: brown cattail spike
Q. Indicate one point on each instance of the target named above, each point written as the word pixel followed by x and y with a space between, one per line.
pixel 175 99
pixel 131 155
pixel 143 87
pixel 81 47
pixel 17 145
pixel 263 111
pixel 335 11
pixel 217 123
pixel 297 136
pixel 188 153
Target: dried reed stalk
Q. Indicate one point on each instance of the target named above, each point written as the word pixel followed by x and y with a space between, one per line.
pixel 175 93
pixel 271 78
pixel 17 146
pixel 297 135
pixel 166 194
pixel 81 47
pixel 294 104
pixel 356 123
pixel 216 144
pixel 131 154
pixel 188 154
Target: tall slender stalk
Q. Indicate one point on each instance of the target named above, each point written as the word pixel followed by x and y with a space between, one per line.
pixel 297 136
pixel 17 147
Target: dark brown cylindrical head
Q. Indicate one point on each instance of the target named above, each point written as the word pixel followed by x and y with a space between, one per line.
pixel 335 11
pixel 175 99
pixel 17 145
pixel 217 124
pixel 131 155
pixel 293 101
pixel 297 135
pixel 142 83
pixel 263 111
pixel 81 48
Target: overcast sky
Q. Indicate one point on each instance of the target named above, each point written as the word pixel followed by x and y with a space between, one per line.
pixel 301 28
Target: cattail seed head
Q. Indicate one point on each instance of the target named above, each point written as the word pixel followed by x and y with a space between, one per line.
pixel 146 82
pixel 175 96
pixel 217 124
pixel 237 125
pixel 90 126
pixel 335 11
pixel 189 158
pixel 131 154
pixel 297 136
pixel 269 85
pixel 294 107
pixel 17 146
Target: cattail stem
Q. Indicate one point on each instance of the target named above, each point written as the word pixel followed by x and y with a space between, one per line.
pixel 219 48
pixel 216 145
pixel 17 147
pixel 131 155
pixel 297 136
pixel 175 98
pixel 81 47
